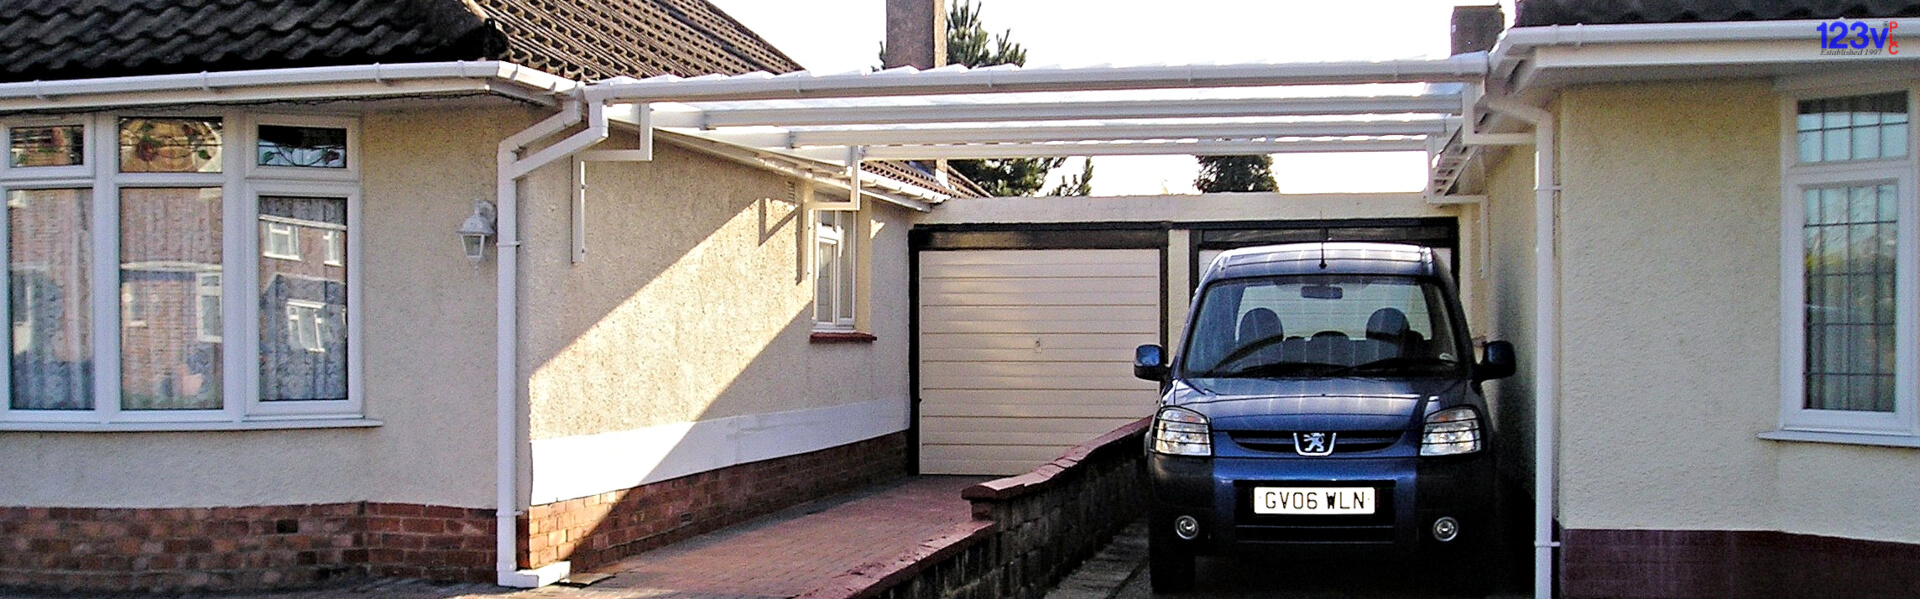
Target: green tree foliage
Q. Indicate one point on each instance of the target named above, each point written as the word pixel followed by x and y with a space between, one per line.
pixel 1081 185
pixel 1235 173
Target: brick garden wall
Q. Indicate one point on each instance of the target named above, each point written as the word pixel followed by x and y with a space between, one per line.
pixel 176 549
pixel 1028 531
pixel 600 529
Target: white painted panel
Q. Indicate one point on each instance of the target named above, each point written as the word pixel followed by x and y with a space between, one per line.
pixel 1027 353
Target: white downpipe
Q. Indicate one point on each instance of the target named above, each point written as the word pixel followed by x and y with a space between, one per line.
pixel 1546 350
pixel 509 168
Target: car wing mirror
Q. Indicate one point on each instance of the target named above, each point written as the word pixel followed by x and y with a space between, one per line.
pixel 1498 363
pixel 1150 362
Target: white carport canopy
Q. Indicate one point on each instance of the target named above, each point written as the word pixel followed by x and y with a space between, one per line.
pixel 830 123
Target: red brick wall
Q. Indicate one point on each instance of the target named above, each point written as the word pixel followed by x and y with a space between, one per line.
pixel 1687 564
pixel 121 549
pixel 599 529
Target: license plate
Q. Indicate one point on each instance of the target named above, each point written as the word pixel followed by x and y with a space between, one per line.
pixel 1313 500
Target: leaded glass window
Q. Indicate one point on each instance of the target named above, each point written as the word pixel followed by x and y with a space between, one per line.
pixel 1852 128
pixel 304 147
pixel 58 145
pixel 170 145
pixel 1850 245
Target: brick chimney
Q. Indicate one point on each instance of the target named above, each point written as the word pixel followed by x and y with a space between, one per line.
pixel 1475 28
pixel 916 34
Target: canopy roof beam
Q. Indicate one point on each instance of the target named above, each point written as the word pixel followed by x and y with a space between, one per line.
pixel 1112 132
pixel 1008 79
pixel 1197 148
pixel 813 116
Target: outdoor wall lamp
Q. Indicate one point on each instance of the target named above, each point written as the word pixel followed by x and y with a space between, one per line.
pixel 475 231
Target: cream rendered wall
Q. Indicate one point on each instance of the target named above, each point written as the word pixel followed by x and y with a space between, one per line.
pixel 1508 285
pixel 428 338
pixel 1671 228
pixel 681 342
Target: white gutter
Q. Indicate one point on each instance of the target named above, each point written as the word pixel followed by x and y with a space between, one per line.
pixel 509 168
pixel 960 80
pixel 1546 350
pixel 1517 42
pixel 353 81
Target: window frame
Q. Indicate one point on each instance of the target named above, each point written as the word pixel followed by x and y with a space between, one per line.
pixel 90 138
pixel 241 182
pixel 1796 421
pixel 250 306
pixel 846 241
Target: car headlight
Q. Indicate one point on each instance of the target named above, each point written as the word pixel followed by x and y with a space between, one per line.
pixel 1180 431
pixel 1453 431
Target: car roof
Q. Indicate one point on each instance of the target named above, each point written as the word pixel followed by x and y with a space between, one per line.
pixel 1342 257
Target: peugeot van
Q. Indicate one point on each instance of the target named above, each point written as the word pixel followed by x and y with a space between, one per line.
pixel 1323 401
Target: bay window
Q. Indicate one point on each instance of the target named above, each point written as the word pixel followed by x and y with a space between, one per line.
pixel 1848 266
pixel 211 316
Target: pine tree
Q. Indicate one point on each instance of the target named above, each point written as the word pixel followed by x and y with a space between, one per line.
pixel 1235 173
pixel 1081 185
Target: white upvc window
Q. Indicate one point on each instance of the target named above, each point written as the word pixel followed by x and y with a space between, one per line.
pixel 156 273
pixel 1850 277
pixel 835 269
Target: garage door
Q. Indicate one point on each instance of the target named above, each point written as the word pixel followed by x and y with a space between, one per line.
pixel 1025 353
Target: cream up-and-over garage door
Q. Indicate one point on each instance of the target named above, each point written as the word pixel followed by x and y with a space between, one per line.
pixel 1025 353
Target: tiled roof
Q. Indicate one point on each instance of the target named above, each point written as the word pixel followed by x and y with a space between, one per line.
pixel 583 39
pixel 1597 12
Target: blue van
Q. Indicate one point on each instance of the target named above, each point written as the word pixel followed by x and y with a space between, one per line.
pixel 1324 399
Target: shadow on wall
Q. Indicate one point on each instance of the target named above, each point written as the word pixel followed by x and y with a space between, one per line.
pixel 681 313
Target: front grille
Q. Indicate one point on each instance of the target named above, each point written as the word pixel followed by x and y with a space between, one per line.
pixel 1345 442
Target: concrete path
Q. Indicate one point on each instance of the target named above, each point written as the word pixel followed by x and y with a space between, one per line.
pixel 781 555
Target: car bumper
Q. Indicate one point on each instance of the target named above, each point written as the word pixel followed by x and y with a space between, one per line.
pixel 1411 493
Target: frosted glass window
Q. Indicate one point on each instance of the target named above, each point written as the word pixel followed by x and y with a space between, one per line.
pixel 169 238
pixel 48 260
pixel 1852 128
pixel 1849 249
pixel 303 305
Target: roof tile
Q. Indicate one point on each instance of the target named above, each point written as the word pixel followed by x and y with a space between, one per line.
pixel 585 39
pixel 1531 13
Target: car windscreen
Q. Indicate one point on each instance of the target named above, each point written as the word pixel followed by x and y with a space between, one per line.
pixel 1322 325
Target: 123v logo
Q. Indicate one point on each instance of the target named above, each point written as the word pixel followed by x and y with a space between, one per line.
pixel 1857 38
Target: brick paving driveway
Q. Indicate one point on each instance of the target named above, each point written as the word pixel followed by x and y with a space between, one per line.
pixel 782 555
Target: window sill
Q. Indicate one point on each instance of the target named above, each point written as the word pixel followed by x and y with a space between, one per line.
pixel 840 337
pixel 1842 438
pixel 161 427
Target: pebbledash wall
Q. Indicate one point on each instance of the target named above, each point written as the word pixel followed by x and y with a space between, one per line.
pixel 1669 258
pixel 412 496
pixel 681 345
pixel 672 387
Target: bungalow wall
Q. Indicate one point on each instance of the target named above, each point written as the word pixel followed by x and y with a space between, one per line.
pixel 1670 225
pixel 673 381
